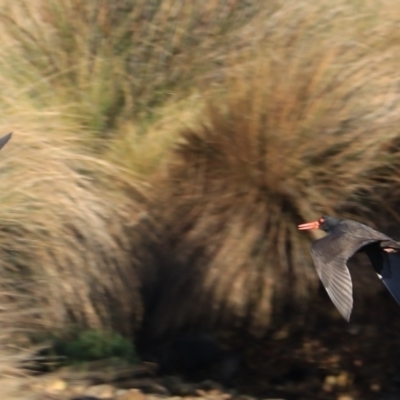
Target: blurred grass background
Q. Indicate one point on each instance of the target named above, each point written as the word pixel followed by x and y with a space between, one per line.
pixel 165 151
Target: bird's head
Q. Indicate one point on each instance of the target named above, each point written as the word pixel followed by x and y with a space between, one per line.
pixel 324 223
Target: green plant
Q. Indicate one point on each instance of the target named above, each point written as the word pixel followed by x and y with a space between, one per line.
pixel 93 345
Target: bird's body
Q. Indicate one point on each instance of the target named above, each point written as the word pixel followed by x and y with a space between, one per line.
pixel 345 238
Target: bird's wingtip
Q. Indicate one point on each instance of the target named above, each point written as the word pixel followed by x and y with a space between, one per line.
pixel 5 139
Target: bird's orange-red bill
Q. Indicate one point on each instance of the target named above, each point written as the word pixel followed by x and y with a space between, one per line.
pixel 309 225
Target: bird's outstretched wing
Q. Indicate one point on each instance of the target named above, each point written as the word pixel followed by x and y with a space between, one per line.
pixel 387 265
pixel 330 255
pixel 5 139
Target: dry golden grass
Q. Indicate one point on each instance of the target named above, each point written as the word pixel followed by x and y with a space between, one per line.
pixel 67 223
pixel 145 147
pixel 15 359
pixel 309 125
pixel 112 62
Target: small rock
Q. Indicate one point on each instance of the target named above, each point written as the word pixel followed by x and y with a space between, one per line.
pixel 330 380
pixel 76 389
pixel 101 391
pixel 375 387
pixel 280 335
pixel 179 388
pixel 326 388
pixel 345 397
pixel 184 389
pixel 132 394
pixel 343 379
pixel 148 386
pixel 215 392
pixel 55 386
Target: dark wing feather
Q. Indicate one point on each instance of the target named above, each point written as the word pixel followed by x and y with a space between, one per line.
pixel 387 266
pixel 330 255
pixel 391 275
pixel 5 139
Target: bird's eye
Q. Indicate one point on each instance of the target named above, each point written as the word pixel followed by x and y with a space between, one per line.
pixel 321 220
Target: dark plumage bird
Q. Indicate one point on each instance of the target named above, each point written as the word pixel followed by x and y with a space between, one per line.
pixel 345 238
pixel 5 139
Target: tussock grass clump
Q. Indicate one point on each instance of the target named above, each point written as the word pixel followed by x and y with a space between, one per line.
pixel 67 223
pixel 302 117
pixel 291 135
pixel 112 61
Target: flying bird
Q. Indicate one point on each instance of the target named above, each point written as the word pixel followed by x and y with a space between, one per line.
pixel 345 238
